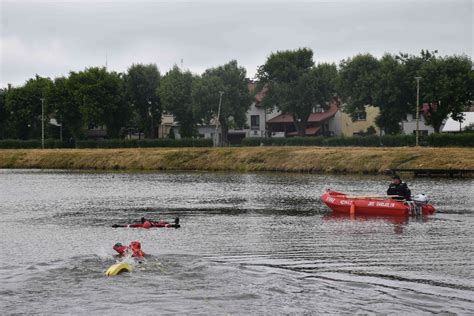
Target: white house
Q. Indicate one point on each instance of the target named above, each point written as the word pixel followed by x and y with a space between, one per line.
pixel 206 131
pixel 257 118
pixel 452 126
pixel 408 125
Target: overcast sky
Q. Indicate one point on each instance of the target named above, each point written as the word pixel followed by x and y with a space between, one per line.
pixel 51 38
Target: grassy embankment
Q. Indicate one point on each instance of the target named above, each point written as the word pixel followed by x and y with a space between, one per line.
pixel 286 159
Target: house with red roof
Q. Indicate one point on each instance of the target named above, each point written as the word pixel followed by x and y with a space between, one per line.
pixel 257 117
pixel 332 121
pixel 263 122
pixel 318 123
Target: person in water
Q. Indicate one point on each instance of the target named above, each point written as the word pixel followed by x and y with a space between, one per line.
pixel 135 249
pixel 149 223
pixel 399 188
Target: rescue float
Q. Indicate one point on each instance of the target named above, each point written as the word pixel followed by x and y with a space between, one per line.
pixel 118 268
pixel 376 205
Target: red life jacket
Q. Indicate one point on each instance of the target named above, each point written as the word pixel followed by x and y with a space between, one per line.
pixel 133 249
pixel 122 250
pixel 138 253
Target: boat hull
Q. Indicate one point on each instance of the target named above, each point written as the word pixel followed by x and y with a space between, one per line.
pixel 342 203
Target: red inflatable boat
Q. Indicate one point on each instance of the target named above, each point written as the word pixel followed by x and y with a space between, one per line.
pixel 373 205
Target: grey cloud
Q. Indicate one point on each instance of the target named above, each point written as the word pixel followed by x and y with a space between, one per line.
pixel 51 38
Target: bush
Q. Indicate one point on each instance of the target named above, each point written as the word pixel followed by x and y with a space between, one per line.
pixel 294 141
pixel 144 143
pixel 357 141
pixel 31 143
pixel 434 140
pixel 106 143
pixel 398 140
pixel 451 140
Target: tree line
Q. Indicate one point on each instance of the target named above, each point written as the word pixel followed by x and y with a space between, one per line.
pixel 293 83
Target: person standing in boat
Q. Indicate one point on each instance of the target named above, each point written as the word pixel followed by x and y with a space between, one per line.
pixel 399 188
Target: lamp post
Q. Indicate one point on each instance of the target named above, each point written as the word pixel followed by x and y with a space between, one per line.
pixel 42 123
pixel 151 120
pixel 417 110
pixel 218 115
pixel 61 128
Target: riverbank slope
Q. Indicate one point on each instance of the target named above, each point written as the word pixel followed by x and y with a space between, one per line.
pixel 284 159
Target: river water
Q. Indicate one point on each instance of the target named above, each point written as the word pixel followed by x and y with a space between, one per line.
pixel 249 244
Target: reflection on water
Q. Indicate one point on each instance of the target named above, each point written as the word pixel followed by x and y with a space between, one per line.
pixel 249 244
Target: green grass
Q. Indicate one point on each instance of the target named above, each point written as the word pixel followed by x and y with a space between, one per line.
pixel 292 159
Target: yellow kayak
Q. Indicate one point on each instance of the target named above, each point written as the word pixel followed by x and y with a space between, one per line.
pixel 118 268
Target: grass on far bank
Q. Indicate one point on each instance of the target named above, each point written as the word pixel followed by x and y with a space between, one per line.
pixel 286 159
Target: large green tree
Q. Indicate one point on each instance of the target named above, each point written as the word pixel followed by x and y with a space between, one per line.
pixel 389 83
pixel 4 115
pixel 393 93
pixel 141 86
pixel 231 80
pixel 295 85
pixel 447 86
pixel 60 97
pixel 176 97
pixel 358 77
pixel 99 95
pixel 24 105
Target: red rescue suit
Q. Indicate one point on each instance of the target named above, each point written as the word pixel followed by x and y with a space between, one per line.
pixel 134 249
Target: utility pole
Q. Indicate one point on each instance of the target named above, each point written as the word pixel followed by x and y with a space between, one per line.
pixel 217 143
pixel 417 110
pixel 42 123
pixel 150 113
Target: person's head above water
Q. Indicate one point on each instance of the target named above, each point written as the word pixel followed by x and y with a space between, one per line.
pixel 135 245
pixel 136 248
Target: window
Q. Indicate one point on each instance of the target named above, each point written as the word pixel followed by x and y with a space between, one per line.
pixel 360 116
pixel 318 109
pixel 255 122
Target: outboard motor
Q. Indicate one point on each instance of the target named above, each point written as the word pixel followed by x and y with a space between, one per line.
pixel 420 200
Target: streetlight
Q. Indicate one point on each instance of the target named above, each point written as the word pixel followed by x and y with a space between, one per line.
pixel 151 119
pixel 42 123
pixel 61 128
pixel 218 115
pixel 417 109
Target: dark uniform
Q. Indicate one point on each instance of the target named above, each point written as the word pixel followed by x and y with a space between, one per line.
pixel 401 190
